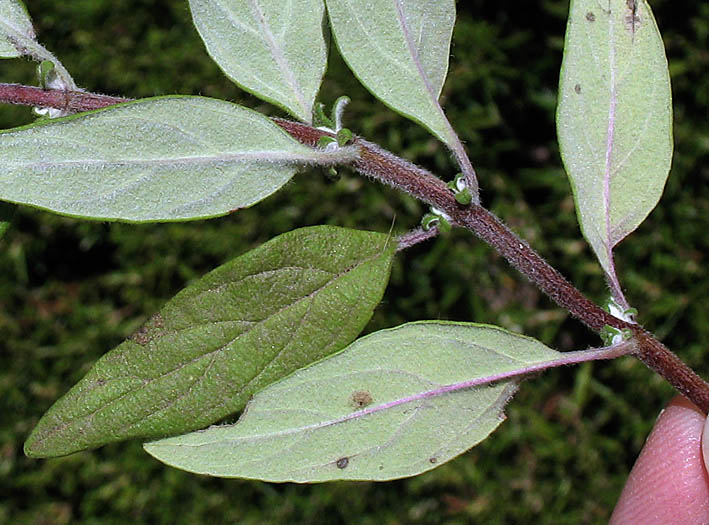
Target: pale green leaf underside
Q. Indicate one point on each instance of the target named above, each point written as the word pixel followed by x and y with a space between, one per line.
pixel 614 118
pixel 399 50
pixel 162 159
pixel 375 411
pixel 274 49
pixel 15 27
pixel 250 322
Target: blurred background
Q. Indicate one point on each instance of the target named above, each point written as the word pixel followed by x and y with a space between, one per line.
pixel 72 290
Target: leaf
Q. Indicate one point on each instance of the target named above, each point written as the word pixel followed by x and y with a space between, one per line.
pixel 15 28
pixel 161 159
pixel 399 50
pixel 275 49
pixel 286 304
pixel 17 38
pixel 393 404
pixel 614 119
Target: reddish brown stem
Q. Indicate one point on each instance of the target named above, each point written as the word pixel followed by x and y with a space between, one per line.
pixel 71 101
pixel 389 169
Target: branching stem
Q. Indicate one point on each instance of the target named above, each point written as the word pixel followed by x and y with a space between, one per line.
pixel 414 237
pixel 387 168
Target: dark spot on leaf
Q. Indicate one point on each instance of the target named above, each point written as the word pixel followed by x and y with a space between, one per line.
pixel 632 19
pixel 158 321
pixel 141 337
pixel 433 460
pixel 590 17
pixel 577 88
pixel 361 398
pixel 100 382
pixel 149 330
pixel 342 462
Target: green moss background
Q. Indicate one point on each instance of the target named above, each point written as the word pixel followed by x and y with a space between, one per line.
pixel 71 290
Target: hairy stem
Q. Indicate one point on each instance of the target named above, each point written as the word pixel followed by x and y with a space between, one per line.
pixel 389 169
pixel 414 237
pixel 71 101
pixel 385 167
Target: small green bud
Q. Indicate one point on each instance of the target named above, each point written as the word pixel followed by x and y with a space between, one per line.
pixel 464 197
pixel 444 226
pixel 325 140
pixel 45 73
pixel 612 336
pixel 460 190
pixel 429 220
pixel 344 137
pixel 319 117
pixel 608 333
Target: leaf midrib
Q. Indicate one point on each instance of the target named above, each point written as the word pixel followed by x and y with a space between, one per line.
pixel 64 425
pixel 263 156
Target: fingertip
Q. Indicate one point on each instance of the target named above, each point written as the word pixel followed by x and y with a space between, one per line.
pixel 669 482
pixel 705 443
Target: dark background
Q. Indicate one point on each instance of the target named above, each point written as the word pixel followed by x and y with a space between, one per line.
pixel 72 290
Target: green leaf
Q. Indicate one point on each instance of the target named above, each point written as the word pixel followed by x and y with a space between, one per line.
pixel 399 51
pixel 17 38
pixel 15 27
pixel 161 159
pixel 393 404
pixel 286 304
pixel 614 118
pixel 275 49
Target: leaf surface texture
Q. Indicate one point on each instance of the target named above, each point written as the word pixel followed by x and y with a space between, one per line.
pixel 277 308
pixel 392 404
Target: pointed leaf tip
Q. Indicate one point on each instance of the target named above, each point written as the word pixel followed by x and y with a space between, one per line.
pixel 274 49
pixel 292 301
pixel 614 119
pixel 399 50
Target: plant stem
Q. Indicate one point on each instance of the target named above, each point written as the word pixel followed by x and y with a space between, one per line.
pixel 389 169
pixel 71 101
pixel 414 237
pixel 385 167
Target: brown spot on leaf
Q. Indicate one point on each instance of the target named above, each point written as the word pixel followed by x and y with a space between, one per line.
pixel 342 462
pixel 433 460
pixel 158 321
pixel 361 398
pixel 149 330
pixel 632 19
pixel 590 16
pixel 577 88
pixel 141 337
